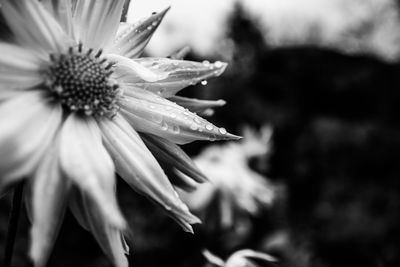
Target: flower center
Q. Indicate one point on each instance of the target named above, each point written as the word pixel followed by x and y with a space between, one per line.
pixel 80 80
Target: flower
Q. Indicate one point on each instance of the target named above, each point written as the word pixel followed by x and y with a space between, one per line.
pixel 75 103
pixel 235 190
pixel 240 258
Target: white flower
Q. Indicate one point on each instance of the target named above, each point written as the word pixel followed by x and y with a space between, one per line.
pixel 241 258
pixel 75 103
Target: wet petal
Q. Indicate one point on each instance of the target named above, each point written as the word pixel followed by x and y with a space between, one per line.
pixel 96 22
pixel 132 38
pixel 141 171
pixel 28 124
pixel 20 68
pixel 109 238
pixel 128 70
pixel 49 196
pixel 173 155
pixel 33 26
pixel 179 74
pixel 62 12
pixel 150 113
pixel 85 161
pixel 197 105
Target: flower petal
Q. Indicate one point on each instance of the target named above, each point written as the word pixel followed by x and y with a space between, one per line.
pixel 128 70
pixel 49 197
pixel 197 105
pixel 33 26
pixel 86 162
pixel 19 68
pixel 150 113
pixel 141 171
pixel 173 155
pixel 179 74
pixel 109 238
pixel 62 12
pixel 28 124
pixel 96 22
pixel 132 38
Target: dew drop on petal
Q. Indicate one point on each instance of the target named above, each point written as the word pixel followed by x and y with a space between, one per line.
pixel 164 126
pixel 197 120
pixel 173 115
pixel 176 129
pixel 218 64
pixel 206 63
pixel 157 118
pixel 204 82
pixel 222 130
pixel 194 126
pixel 212 137
pixel 209 127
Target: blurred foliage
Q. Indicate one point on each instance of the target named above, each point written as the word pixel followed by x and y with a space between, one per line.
pixel 336 121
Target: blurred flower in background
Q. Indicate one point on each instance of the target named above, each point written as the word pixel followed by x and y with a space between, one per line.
pixel 235 191
pixel 76 102
pixel 241 258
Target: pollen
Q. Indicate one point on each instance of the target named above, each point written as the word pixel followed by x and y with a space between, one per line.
pixel 80 80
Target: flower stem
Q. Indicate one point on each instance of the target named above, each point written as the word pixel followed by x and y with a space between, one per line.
pixel 13 224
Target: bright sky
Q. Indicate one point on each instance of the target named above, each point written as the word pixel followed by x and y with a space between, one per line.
pixel 201 23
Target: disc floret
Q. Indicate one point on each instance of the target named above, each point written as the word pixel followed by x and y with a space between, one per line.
pixel 80 80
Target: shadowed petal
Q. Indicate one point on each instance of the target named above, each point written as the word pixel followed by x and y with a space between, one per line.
pixel 28 124
pixel 62 12
pixel 150 113
pixel 33 26
pixel 49 196
pixel 141 171
pixel 85 161
pixel 19 68
pixel 197 105
pixel 91 218
pixel 179 74
pixel 96 22
pixel 130 71
pixel 173 155
pixel 132 38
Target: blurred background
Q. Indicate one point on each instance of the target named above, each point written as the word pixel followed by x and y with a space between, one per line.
pixel 314 87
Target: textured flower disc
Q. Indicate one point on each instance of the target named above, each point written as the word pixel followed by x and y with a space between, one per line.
pixel 81 81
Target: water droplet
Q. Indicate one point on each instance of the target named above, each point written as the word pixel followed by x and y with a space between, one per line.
pixel 154 23
pixel 209 126
pixel 176 129
pixel 167 207
pixel 206 63
pixel 173 115
pixel 161 91
pixel 194 126
pixel 197 120
pixel 164 126
pixel 204 82
pixel 218 64
pixel 149 28
pixel 157 118
pixel 212 137
pixel 222 130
